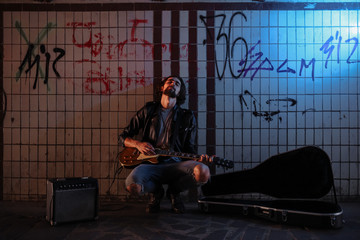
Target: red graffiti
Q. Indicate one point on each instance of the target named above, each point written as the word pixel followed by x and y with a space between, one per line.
pixel 110 46
pixel 98 83
pixel 139 79
pixel 98 80
pixel 95 46
pixel 184 51
pixel 149 48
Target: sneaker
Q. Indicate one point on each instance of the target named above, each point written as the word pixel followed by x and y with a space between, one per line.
pixel 154 202
pixel 176 202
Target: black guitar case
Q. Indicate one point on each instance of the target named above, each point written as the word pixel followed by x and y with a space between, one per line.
pixel 295 180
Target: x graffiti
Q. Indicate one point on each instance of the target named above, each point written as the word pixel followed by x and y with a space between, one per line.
pixel 44 32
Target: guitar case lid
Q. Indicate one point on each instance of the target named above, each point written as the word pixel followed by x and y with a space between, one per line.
pixel 301 173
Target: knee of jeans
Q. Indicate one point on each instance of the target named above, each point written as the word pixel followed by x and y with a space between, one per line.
pixel 201 173
pixel 134 188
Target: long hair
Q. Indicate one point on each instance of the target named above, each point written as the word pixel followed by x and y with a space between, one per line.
pixel 180 99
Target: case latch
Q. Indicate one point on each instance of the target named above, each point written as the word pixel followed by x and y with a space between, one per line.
pixel 245 211
pixel 332 220
pixel 284 216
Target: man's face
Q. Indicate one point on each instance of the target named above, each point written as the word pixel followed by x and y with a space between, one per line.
pixel 171 87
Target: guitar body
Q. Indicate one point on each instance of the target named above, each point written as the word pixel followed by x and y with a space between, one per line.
pixel 131 157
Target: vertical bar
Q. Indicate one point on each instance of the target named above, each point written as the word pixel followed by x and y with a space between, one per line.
pixel 175 56
pixel 193 70
pixel 157 51
pixel 193 66
pixel 210 86
pixel 1 104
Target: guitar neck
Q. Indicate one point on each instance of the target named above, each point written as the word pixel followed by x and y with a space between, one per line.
pixel 167 153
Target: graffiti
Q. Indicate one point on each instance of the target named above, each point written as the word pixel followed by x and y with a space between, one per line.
pixel 287 70
pixel 256 60
pixel 303 64
pixel 258 108
pixel 43 33
pixel 308 110
pixel 250 54
pixel 148 47
pixel 30 53
pixel 99 79
pixel 98 82
pixel 267 65
pixel 230 46
pixel 328 49
pixel 95 46
pixel 353 49
pixel 138 75
pixel 261 66
pixel 36 61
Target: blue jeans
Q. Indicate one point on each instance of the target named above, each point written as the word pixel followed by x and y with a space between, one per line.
pixel 179 176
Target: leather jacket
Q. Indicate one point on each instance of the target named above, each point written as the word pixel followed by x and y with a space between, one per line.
pixel 183 127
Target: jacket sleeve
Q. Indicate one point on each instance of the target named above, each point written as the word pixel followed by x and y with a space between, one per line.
pixel 136 124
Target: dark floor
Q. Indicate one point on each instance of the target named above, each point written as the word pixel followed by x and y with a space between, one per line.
pixel 128 220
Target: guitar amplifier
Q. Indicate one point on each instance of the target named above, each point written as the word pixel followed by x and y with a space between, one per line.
pixel 71 199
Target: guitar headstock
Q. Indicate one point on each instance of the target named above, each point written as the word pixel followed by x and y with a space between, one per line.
pixel 223 162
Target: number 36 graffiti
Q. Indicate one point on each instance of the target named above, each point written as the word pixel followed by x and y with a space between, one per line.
pixel 230 46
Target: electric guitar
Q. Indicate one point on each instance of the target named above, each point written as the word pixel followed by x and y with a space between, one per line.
pixel 131 157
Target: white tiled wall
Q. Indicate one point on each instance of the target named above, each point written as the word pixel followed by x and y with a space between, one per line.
pixel 69 127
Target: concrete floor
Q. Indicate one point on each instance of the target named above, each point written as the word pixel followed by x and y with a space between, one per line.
pixel 128 220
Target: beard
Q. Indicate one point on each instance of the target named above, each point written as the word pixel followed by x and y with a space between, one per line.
pixel 170 92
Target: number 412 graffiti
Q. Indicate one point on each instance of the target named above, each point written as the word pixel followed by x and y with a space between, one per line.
pixel 30 52
pixel 329 49
pixel 37 62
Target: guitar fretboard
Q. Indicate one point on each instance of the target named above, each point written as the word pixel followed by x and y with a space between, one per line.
pixel 215 160
pixel 176 154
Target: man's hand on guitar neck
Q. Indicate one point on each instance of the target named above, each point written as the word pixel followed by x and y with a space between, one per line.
pixel 206 159
pixel 143 147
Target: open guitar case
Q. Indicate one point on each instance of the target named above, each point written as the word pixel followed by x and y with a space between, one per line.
pixel 294 183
